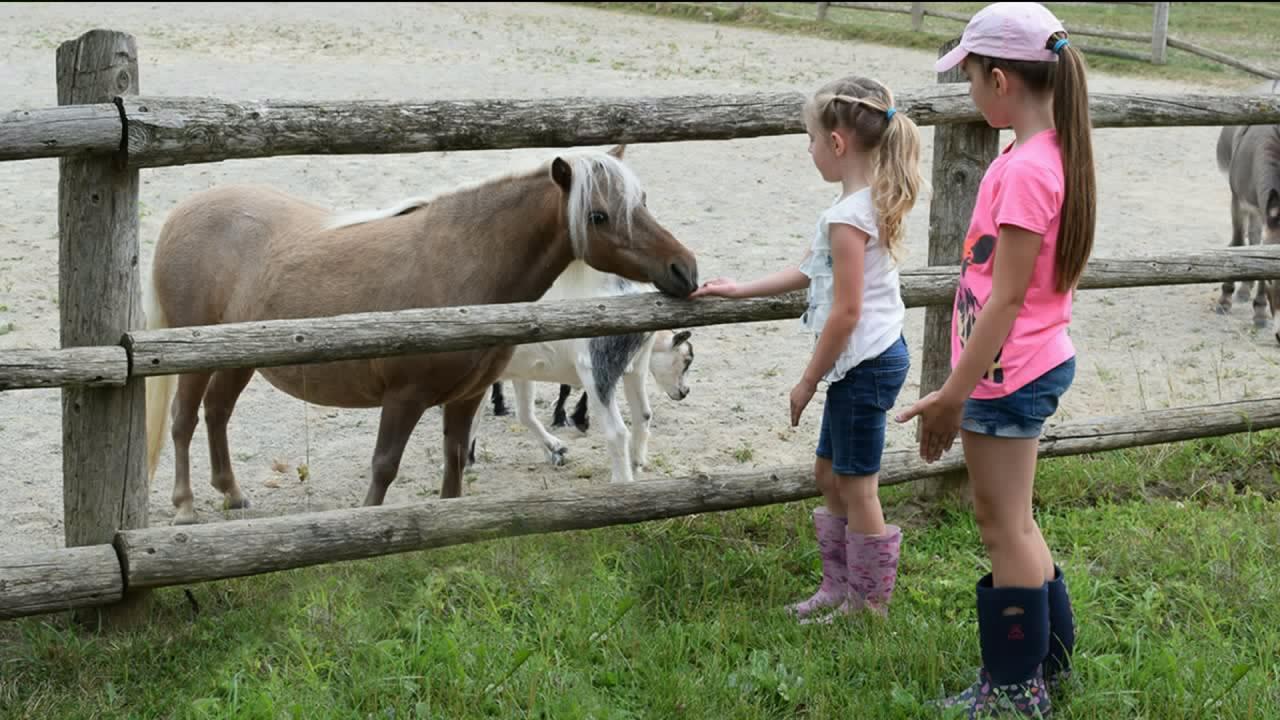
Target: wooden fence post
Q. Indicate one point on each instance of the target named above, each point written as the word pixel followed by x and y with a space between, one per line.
pixel 961 153
pixel 822 11
pixel 104 486
pixel 1160 33
pixel 917 16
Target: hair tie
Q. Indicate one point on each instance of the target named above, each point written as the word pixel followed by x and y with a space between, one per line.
pixel 890 113
pixel 1057 47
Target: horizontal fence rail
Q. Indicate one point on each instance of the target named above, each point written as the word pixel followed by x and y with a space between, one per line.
pixel 178 131
pixel 385 334
pixel 165 556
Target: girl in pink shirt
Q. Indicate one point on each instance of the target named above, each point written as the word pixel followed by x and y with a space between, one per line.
pixel 1028 241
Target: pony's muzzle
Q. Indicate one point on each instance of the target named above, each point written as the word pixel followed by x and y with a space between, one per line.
pixel 682 278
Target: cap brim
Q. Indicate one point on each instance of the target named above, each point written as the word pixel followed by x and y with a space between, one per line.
pixel 951 59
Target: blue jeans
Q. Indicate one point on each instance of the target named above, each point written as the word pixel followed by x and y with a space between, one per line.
pixel 1022 413
pixel 855 413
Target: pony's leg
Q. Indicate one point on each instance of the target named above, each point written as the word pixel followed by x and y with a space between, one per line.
pixel 1237 240
pixel 458 417
pixel 475 433
pixel 558 418
pixel 401 411
pixel 184 417
pixel 219 403
pixel 499 405
pixel 524 411
pixel 633 384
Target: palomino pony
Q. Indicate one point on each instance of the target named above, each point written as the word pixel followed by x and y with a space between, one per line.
pixel 1250 157
pixel 248 253
pixel 598 364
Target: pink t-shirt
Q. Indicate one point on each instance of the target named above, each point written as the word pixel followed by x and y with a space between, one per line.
pixel 1022 187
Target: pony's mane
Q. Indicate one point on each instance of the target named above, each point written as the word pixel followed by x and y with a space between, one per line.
pixel 620 188
pixel 591 170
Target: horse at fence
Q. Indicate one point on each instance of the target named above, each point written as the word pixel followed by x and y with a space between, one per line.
pixel 597 364
pixel 1250 157
pixel 249 253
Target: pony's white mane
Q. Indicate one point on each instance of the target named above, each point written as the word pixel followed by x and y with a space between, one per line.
pixel 591 170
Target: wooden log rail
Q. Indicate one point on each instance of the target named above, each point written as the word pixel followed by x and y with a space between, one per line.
pixel 384 334
pixel 50 581
pixel 179 131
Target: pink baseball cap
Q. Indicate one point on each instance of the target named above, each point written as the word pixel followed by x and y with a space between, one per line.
pixel 1007 30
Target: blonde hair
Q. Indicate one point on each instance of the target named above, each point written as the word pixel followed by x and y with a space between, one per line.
pixel 861 106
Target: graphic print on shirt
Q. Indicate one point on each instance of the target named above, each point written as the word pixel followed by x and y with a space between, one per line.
pixel 977 251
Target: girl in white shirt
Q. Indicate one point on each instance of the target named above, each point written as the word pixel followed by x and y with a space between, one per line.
pixel 856 138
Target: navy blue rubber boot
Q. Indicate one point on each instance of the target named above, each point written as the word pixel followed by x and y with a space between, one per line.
pixel 1013 629
pixel 1062 633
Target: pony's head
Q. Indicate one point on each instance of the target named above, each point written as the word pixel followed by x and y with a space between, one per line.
pixel 670 360
pixel 611 229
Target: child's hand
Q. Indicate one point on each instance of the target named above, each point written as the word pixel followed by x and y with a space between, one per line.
pixel 724 287
pixel 801 394
pixel 940 418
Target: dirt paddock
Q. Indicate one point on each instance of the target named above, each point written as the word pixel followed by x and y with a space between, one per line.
pixel 745 206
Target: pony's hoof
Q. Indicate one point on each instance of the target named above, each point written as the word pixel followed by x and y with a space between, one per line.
pixel 1261 321
pixel 241 503
pixel 1223 307
pixel 185 518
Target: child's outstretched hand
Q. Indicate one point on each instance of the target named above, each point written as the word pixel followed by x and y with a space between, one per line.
pixel 724 287
pixel 940 418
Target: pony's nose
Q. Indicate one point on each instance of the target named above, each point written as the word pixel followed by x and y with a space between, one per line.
pixel 685 277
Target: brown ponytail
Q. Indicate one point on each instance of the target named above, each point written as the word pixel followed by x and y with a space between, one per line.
pixel 1071 118
pixel 862 106
pixel 1066 79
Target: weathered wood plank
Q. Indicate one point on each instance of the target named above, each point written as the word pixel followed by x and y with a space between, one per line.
pixel 104 484
pixel 198 553
pixel 180 131
pixel 365 335
pixel 89 366
pixel 1225 60
pixel 46 581
pixel 68 131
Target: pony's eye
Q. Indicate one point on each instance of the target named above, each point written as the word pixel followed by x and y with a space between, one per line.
pixel 597 217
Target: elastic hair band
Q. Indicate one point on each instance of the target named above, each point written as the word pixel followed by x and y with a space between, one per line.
pixel 890 113
pixel 1057 47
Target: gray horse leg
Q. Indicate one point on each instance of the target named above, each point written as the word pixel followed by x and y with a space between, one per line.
pixel 1238 221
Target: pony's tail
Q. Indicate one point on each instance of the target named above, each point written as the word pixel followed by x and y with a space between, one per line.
pixel 159 389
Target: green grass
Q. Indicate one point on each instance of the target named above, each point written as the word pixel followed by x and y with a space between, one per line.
pixel 1245 31
pixel 1170 553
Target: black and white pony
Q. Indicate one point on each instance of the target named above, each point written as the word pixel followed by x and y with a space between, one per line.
pixel 597 365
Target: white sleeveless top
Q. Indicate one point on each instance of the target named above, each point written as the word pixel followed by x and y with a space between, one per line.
pixel 883 312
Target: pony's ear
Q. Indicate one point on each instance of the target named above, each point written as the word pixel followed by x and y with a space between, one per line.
pixel 682 336
pixel 561 173
pixel 618 150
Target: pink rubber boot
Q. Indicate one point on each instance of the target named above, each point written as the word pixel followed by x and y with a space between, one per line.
pixel 873 567
pixel 872 573
pixel 830 530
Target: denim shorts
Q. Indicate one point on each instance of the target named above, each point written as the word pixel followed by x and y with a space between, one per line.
pixel 856 410
pixel 1022 413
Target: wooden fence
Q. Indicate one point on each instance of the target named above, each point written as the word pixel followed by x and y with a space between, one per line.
pixel 1159 39
pixel 104 132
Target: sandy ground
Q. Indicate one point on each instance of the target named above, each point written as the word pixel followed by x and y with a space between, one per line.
pixel 745 206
